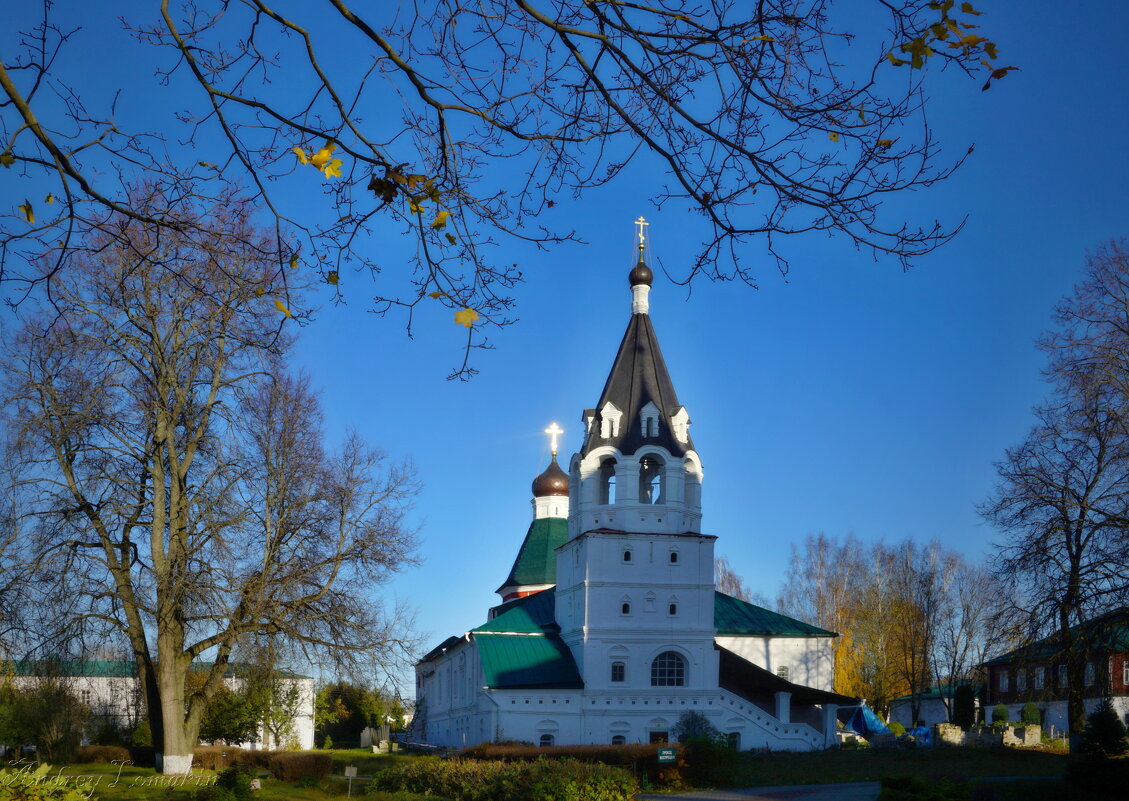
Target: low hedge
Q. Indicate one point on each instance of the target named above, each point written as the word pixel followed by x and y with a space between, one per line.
pixel 292 766
pixel 641 758
pixel 476 780
pixel 103 753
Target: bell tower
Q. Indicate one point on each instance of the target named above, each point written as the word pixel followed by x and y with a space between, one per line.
pixel 635 589
pixel 637 470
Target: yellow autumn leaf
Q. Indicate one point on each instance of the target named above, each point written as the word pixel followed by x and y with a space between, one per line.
pixel 301 154
pixel 278 304
pixel 415 206
pixel 897 62
pixel 466 317
pixel 7 159
pixel 436 295
pixel 451 239
pixel 216 166
pixel 259 291
pixel 762 38
pixel 332 169
pixel 331 277
pixel 968 9
pixel 833 136
pixel 49 199
pixel 440 220
pixel 885 143
pixel 293 261
pixel 322 157
pixel 29 212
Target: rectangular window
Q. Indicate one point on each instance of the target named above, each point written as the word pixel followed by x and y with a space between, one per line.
pixel 1125 671
pixel 1062 675
pixel 1021 680
pixel 1003 682
pixel 1040 673
pixel 618 671
pixel 782 672
pixel 1091 674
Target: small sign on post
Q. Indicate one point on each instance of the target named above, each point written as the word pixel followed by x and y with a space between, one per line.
pixel 667 755
pixel 350 774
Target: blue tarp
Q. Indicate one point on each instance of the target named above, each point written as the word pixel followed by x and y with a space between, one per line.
pixel 866 723
pixel 922 734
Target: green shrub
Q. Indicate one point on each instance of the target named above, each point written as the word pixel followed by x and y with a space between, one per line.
pixel 1030 714
pixel 237 779
pixel 102 753
pixel 142 735
pixel 693 725
pixel 105 732
pixel 1105 733
pixel 328 743
pixel 1000 716
pixel 473 780
pixel 41 785
pixel 897 729
pixel 911 788
pixel 711 761
pixel 291 766
pixel 964 706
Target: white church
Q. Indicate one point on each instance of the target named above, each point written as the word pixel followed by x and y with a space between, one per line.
pixel 610 627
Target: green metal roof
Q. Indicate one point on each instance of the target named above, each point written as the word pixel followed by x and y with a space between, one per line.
pixel 513 661
pixel 533 614
pixel 536 561
pixel 1108 632
pixel 114 668
pixel 732 616
pixel 111 668
pixel 940 691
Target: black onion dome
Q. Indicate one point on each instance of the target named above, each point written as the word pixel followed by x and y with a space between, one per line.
pixel 553 481
pixel 641 274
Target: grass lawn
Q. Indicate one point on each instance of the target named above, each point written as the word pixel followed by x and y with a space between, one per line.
pixel 142 784
pixel 1044 769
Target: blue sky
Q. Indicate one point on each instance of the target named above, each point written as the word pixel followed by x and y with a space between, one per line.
pixel 851 397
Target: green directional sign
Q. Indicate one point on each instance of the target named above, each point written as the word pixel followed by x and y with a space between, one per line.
pixel 667 755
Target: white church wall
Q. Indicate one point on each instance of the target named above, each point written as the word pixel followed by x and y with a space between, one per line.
pixel 810 660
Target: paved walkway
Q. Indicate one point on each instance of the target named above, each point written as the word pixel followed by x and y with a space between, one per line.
pixel 856 791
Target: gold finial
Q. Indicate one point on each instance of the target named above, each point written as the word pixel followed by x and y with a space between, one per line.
pixel 642 234
pixel 553 431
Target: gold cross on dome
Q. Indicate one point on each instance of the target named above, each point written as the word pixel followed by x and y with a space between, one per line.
pixel 553 431
pixel 642 234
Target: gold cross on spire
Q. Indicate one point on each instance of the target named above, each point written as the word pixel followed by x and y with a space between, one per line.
pixel 642 234
pixel 553 431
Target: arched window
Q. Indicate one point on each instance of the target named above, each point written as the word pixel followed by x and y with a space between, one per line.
pixel 672 610
pixel 627 554
pixel 668 670
pixel 618 671
pixel 546 740
pixel 607 481
pixel 625 609
pixel 619 739
pixel 674 557
pixel 651 480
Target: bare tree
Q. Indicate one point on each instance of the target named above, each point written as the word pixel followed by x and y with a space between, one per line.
pixel 1062 502
pixel 967 625
pixel 457 123
pixel 175 476
pixel 821 588
pixel 729 581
